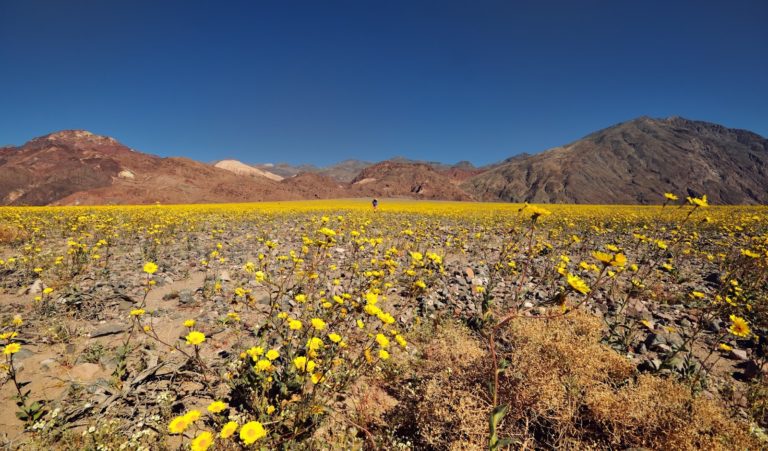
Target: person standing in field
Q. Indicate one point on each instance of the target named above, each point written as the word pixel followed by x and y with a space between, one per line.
pixel 375 203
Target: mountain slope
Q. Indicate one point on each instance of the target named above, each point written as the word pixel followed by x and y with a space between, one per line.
pixel 417 180
pixel 285 170
pixel 343 171
pixel 636 162
pixel 78 167
pixel 632 162
pixel 240 168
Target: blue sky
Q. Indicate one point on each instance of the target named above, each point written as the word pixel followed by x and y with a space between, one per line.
pixel 322 81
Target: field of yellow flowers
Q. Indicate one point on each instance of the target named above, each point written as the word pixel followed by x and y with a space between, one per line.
pixel 418 325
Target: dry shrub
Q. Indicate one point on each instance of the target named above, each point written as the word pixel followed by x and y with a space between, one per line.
pixel 551 366
pixel 757 396
pixel 452 406
pixel 10 234
pixel 451 347
pixel 352 421
pixel 566 390
pixel 660 413
pixel 370 403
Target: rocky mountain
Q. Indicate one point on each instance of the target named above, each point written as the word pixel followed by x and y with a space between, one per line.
pixel 313 185
pixel 241 168
pixel 285 170
pixel 636 162
pixel 78 167
pixel 632 162
pixel 417 180
pixel 343 171
pixel 346 171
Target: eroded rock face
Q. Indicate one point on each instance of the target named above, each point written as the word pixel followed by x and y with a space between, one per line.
pixel 240 168
pixel 396 179
pixel 126 174
pixel 636 162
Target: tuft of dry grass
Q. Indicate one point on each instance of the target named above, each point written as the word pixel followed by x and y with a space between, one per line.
pixel 10 234
pixel 443 406
pixel 564 390
pixel 660 413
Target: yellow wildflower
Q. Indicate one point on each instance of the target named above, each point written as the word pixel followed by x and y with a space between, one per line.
pixel 314 343
pixel 217 406
pixel 318 324
pixel 202 442
pixel 228 429
pixel 578 284
pixel 263 365
pixel 195 338
pixel 317 378
pixel 11 348
pixel 698 202
pixel 252 431
pixel 739 326
pixel 749 253
pixel 192 415
pixel 382 340
pixel 150 268
pixel 178 425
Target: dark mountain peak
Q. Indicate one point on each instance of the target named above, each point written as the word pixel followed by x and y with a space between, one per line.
pixel 636 162
pixel 677 124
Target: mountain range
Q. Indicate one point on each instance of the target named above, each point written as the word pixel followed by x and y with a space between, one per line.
pixel 633 162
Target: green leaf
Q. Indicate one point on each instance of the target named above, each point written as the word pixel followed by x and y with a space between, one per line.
pixel 496 416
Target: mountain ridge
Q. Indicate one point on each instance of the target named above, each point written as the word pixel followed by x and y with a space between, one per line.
pixel 635 161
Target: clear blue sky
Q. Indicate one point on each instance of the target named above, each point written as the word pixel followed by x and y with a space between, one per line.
pixel 321 81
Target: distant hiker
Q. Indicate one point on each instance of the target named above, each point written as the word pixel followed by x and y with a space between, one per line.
pixel 375 203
